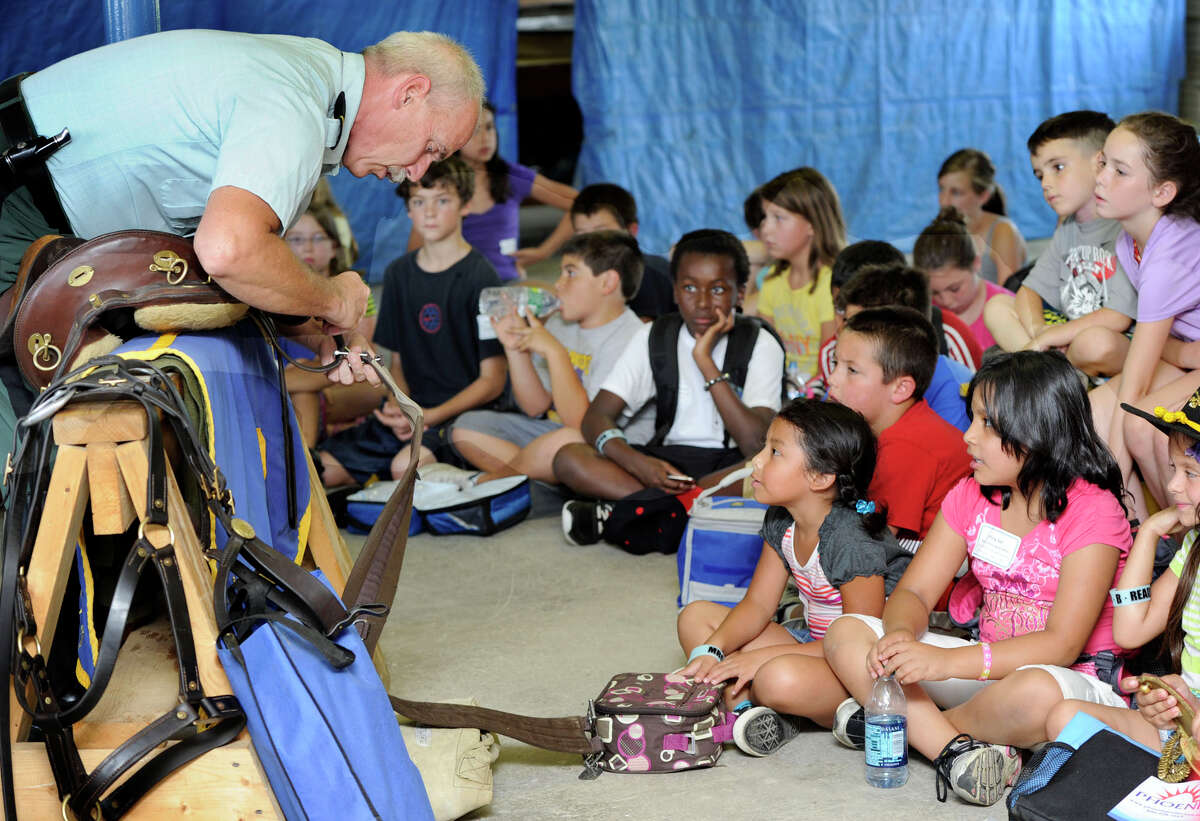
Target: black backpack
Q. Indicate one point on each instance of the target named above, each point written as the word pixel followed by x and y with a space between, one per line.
pixel 664 364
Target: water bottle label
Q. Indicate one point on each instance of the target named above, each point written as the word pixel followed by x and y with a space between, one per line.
pixel 887 744
pixel 484 324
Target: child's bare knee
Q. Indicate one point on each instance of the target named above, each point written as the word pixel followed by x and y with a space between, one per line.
pixel 778 682
pixel 1060 715
pixel 567 461
pixel 846 643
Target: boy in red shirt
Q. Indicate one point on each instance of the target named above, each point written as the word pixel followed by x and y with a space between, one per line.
pixel 885 361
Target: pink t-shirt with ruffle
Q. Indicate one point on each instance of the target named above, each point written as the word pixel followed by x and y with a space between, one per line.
pixel 1017 601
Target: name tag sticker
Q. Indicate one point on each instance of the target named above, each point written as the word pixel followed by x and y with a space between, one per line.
pixel 996 546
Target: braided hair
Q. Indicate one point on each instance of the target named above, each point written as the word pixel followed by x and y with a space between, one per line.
pixel 837 440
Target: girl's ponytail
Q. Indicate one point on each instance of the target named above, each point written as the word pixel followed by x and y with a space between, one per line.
pixel 980 169
pixel 996 203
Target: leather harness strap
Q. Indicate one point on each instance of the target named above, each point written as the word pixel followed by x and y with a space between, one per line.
pixel 570 734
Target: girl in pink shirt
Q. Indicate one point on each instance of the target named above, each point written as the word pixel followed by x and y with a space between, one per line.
pixel 946 252
pixel 1042 524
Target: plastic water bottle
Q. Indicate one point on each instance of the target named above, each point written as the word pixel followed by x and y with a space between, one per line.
pixel 886 717
pixel 795 380
pixel 497 302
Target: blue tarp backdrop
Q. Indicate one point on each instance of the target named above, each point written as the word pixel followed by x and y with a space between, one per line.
pixel 33 38
pixel 691 105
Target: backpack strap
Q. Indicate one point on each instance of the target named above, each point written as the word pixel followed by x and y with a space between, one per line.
pixel 664 369
pixel 664 364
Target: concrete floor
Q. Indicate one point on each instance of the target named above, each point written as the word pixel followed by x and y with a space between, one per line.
pixel 525 622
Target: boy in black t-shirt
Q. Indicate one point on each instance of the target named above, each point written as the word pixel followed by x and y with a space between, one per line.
pixel 427 320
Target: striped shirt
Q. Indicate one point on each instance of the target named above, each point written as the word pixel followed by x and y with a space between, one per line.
pixel 1190 657
pixel 822 601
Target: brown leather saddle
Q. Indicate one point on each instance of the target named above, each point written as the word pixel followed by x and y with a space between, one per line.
pixel 75 300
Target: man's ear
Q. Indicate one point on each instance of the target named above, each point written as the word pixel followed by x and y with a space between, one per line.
pixel 901 389
pixel 410 89
pixel 633 229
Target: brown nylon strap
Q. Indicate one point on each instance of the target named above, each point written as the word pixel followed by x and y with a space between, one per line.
pixel 569 734
pixel 376 573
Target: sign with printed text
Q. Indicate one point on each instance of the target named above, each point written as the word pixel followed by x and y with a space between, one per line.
pixel 1156 800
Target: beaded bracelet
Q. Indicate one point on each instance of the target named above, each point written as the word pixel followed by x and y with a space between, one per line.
pixel 706 650
pixel 722 378
pixel 987 661
pixel 607 436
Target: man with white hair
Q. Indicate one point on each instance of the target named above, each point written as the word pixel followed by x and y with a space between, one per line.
pixel 223 136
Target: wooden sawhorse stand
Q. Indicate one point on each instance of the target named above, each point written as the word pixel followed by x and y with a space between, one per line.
pixel 103 459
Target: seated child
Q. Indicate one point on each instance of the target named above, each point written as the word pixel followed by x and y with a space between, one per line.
pixel 1149 181
pixel 1173 605
pixel 557 368
pixel 885 360
pixel 814 470
pixel 878 286
pixel 946 252
pixel 1043 527
pixel 605 206
pixel 321 238
pixel 955 339
pixel 672 363
pixel 967 180
pixel 427 321
pixel 803 231
pixel 1077 297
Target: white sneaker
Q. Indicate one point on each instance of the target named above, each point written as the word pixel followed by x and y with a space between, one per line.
pixel 760 731
pixel 976 771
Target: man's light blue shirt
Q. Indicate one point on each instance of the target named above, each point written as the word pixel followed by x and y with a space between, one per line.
pixel 159 122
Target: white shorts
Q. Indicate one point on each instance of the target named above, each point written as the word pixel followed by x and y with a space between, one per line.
pixel 955 691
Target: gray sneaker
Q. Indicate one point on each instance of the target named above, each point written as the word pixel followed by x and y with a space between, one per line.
pixel 760 731
pixel 976 771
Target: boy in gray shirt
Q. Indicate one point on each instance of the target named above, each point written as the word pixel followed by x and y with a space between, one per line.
pixel 1077 298
pixel 557 367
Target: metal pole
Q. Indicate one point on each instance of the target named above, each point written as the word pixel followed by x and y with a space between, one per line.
pixel 130 18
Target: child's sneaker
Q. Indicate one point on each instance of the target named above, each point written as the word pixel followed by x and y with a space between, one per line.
pixel 583 522
pixel 761 731
pixel 976 771
pixel 849 725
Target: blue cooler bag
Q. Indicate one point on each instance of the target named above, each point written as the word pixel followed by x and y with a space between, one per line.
pixel 327 738
pixel 479 510
pixel 363 508
pixel 720 547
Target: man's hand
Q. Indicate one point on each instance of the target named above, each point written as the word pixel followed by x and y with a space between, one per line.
pixel 353 293
pixel 351 369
